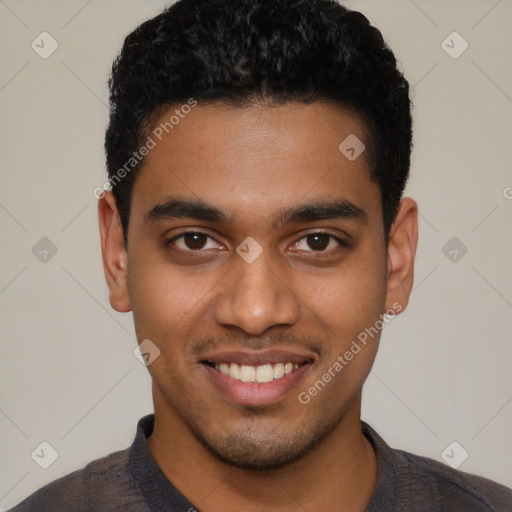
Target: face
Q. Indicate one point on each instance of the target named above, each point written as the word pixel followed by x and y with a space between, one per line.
pixel 256 257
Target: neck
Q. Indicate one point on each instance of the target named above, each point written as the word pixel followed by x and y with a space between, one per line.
pixel 338 474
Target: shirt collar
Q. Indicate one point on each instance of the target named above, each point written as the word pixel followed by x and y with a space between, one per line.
pixel 159 493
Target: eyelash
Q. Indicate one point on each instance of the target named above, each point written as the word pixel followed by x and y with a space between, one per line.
pixel 341 242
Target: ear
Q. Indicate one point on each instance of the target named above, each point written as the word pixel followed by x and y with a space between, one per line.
pixel 403 240
pixel 113 251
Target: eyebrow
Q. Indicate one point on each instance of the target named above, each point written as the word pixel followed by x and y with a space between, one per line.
pixel 324 209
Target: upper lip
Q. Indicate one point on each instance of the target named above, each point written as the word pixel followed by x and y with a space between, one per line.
pixel 257 358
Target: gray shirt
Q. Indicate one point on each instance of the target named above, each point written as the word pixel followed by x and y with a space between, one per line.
pixel 130 480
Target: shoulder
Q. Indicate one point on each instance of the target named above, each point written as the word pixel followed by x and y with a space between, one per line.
pixel 451 488
pixel 103 484
pixel 406 481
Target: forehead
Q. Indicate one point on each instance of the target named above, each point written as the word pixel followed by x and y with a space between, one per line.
pixel 255 159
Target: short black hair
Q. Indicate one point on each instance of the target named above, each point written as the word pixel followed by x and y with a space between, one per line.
pixel 236 51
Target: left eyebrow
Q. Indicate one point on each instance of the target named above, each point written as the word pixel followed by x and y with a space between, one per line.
pixel 320 210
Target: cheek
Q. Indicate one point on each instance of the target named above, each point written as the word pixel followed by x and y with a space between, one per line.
pixel 350 298
pixel 348 308
pixel 165 299
pixel 165 306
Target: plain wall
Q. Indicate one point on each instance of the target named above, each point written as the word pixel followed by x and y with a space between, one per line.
pixel 68 374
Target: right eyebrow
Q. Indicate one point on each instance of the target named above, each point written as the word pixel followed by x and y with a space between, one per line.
pixel 176 207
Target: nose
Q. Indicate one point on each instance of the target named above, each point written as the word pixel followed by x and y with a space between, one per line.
pixel 255 296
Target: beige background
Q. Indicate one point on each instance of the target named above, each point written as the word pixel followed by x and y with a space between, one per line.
pixel 68 375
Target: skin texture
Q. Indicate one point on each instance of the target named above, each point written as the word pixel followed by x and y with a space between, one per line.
pixel 251 163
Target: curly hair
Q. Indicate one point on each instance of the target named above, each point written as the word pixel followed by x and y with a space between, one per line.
pixel 234 51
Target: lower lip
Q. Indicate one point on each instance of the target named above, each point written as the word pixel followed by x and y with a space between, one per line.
pixel 256 393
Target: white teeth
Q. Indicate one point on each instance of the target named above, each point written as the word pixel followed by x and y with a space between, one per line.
pixel 264 373
pixel 247 373
pixel 234 371
pixel 278 370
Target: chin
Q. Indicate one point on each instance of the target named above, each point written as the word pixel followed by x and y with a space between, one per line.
pixel 264 451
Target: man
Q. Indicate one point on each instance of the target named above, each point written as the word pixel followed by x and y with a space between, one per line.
pixel 257 153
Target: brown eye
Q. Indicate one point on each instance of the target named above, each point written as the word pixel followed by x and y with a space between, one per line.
pixel 194 241
pixel 318 241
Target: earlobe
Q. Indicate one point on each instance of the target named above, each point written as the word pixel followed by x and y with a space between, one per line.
pixel 115 258
pixel 403 241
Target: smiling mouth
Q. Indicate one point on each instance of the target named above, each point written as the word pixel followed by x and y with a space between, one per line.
pixel 263 373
